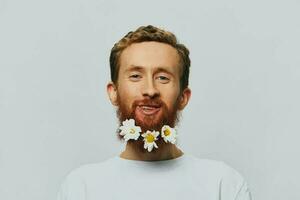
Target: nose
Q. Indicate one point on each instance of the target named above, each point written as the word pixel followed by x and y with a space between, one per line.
pixel 150 89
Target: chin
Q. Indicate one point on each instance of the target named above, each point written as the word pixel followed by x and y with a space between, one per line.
pixel 149 122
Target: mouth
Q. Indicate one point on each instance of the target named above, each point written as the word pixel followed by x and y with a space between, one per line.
pixel 148 109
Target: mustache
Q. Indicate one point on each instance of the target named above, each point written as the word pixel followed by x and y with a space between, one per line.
pixel 149 102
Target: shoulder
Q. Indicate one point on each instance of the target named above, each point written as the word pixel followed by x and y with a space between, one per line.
pixel 86 171
pixel 231 183
pixel 219 167
pixel 75 183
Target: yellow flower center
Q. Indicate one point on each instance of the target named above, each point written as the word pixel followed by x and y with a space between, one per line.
pixel 167 132
pixel 150 138
pixel 132 131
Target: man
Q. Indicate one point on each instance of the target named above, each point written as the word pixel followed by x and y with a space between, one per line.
pixel 149 87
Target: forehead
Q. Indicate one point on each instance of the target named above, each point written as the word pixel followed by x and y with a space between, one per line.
pixel 150 55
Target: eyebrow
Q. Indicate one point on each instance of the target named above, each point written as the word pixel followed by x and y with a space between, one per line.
pixel 140 68
pixel 134 68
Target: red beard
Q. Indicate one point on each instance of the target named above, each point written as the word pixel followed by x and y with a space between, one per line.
pixel 153 122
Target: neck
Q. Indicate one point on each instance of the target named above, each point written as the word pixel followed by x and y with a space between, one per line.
pixel 170 151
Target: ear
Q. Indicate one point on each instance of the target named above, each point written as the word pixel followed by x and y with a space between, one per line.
pixel 184 98
pixel 112 93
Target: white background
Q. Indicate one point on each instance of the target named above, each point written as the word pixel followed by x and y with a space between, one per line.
pixel 55 114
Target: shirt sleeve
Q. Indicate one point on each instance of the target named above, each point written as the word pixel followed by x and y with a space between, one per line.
pixel 72 188
pixel 233 186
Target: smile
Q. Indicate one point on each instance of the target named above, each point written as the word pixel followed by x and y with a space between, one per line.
pixel 148 110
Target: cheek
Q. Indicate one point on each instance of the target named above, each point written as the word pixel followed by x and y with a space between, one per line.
pixel 127 94
pixel 170 97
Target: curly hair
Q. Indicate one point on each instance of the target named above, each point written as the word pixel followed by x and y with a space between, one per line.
pixel 150 33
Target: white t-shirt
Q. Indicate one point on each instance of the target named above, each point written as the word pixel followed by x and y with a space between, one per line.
pixel 185 177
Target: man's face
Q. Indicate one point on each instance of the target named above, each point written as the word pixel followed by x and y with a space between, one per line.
pixel 148 86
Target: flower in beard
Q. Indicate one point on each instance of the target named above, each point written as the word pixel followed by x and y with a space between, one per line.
pixel 129 130
pixel 168 134
pixel 149 140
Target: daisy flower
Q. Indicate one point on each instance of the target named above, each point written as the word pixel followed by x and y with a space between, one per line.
pixel 149 140
pixel 129 130
pixel 168 134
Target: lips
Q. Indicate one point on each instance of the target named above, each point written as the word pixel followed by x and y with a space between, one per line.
pixel 148 109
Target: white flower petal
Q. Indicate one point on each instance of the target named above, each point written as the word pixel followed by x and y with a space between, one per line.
pixel 156 133
pixel 165 139
pixel 126 138
pixel 150 147
pixel 125 123
pixel 173 141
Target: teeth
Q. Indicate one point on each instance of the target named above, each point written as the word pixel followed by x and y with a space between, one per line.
pixel 148 108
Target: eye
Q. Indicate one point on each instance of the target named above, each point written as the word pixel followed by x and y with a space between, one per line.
pixel 163 79
pixel 135 77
